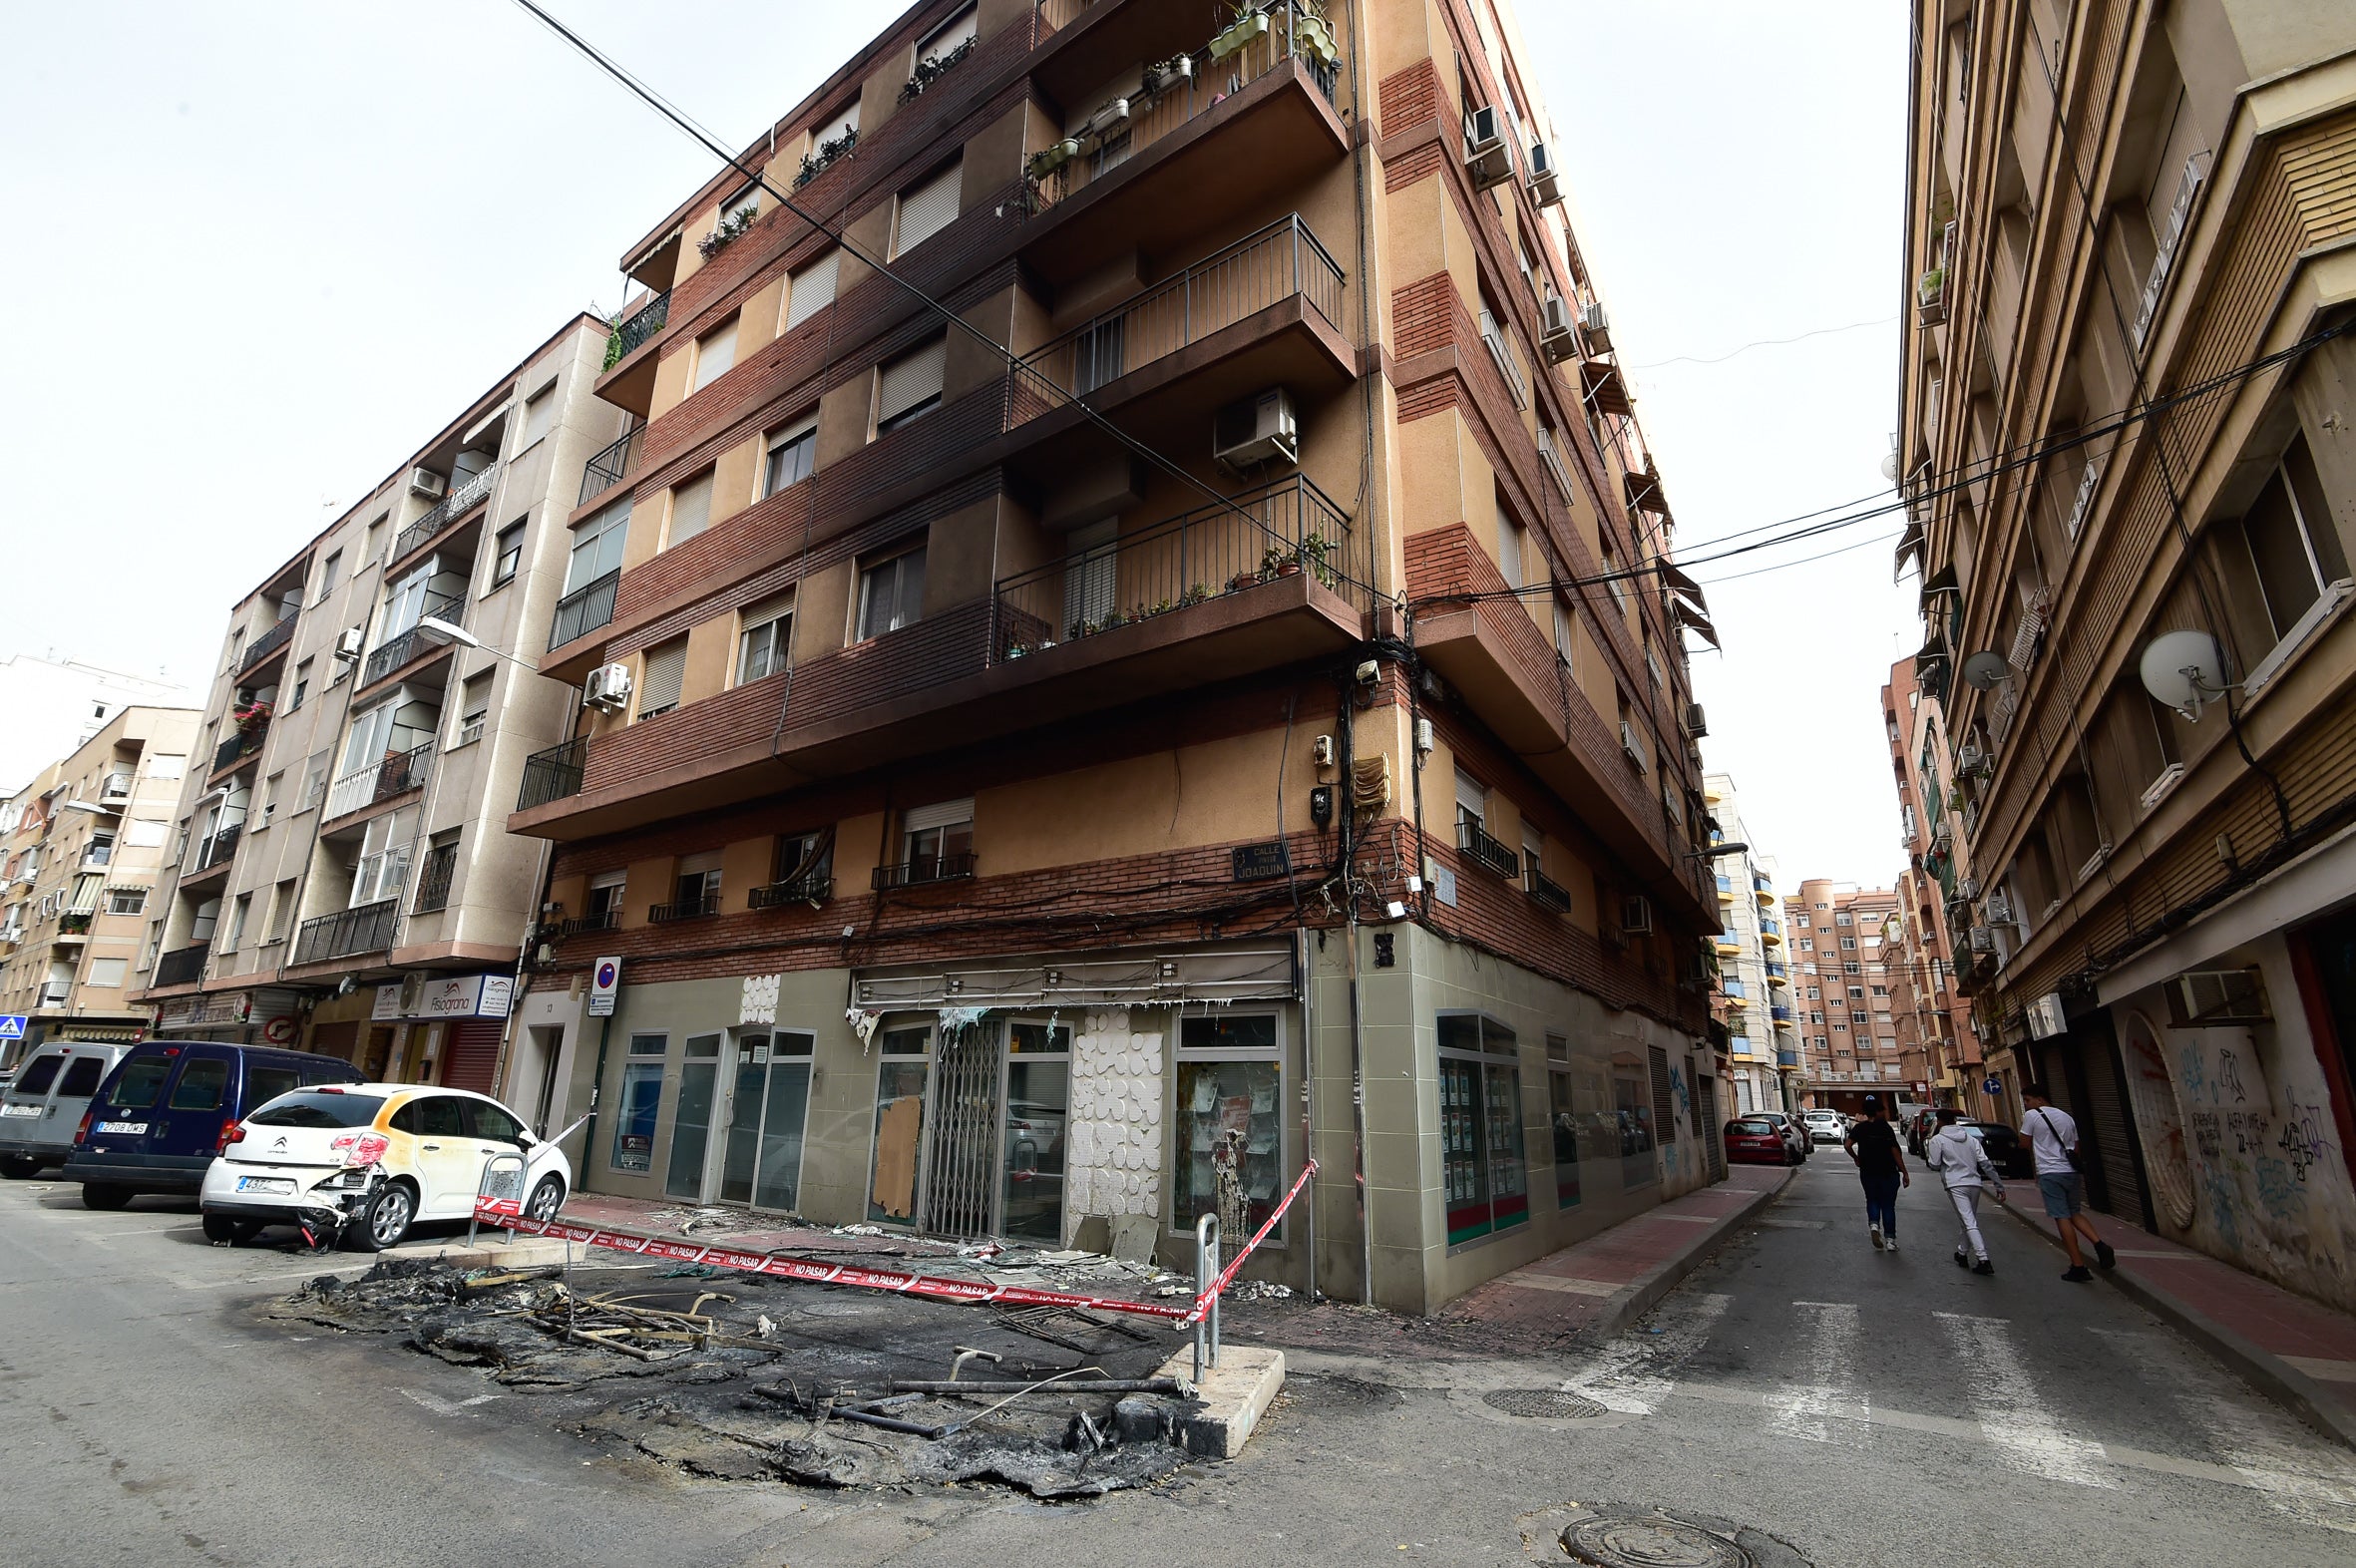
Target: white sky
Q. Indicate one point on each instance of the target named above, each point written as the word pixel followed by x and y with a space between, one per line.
pixel 259 251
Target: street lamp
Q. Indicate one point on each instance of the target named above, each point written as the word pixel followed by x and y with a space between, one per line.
pixel 450 633
pixel 1716 851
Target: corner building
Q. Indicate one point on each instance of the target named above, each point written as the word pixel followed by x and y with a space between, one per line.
pixel 1037 772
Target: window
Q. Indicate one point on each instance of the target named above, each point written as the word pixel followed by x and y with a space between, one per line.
pixel 715 356
pixel 1806 944
pixel 144 833
pixel 949 36
pixel 127 901
pixel 2290 551
pixel 1841 919
pixel 810 289
pixel 937 841
pixel 926 208
pixel 314 782
pixel 507 551
pixel 641 1097
pixel 273 789
pixel 1848 943
pixel 1852 969
pixel 383 867
pixel 606 893
pixel 792 452
pixel 282 905
pixel 697 887
pixel 891 594
pixel 473 708
pixel 768 633
pixel 373 540
pixel 431 1116
pixel 1564 642
pixel 1509 550
pixel 691 509
pixel 1230 1105
pixel 440 870
pixel 744 206
pixel 166 765
pixel 666 668
pixel 302 687
pixel 539 415
pixel 803 856
pixel 239 910
pixel 596 547
pixel 899 1124
pixel 1485 1181
pixel 909 388
pixel 331 572
pixel 106 974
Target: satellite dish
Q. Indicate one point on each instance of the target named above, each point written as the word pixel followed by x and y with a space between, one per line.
pixel 1985 669
pixel 2183 669
pixel 1889 467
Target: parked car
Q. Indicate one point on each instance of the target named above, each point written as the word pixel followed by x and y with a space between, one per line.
pixel 368 1160
pixel 1918 1126
pixel 42 1108
pixel 1795 1137
pixel 1825 1126
pixel 1754 1141
pixel 169 1108
pixel 2007 1150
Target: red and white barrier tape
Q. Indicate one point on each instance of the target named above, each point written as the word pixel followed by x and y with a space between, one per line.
pixel 502 1214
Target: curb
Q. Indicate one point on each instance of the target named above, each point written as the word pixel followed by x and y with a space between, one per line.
pixel 2280 1381
pixel 1642 1294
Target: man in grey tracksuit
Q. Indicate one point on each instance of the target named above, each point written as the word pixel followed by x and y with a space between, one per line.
pixel 1961 1160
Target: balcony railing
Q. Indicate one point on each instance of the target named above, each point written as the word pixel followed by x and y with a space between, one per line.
pixel 1258 270
pixel 243 743
pixel 684 908
pixel 641 324
pixel 925 869
pixel 1281 529
pixel 612 466
pixel 551 775
pixel 1484 851
pixel 365 928
pixel 183 965
pixel 268 642
pixel 416 641
pixel 218 848
pixel 814 889
pixel 1786 1058
pixel 54 993
pixel 395 775
pixel 1780 1014
pixel 448 510
pixel 602 919
pixel 1176 99
pixel 1545 889
pixel 433 886
pixel 96 855
pixel 1775 969
pixel 583 611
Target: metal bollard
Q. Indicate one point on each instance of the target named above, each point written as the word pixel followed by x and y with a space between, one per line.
pixel 1206 1270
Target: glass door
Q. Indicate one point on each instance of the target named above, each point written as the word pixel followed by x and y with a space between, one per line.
pixel 1038 1102
pixel 770 1102
pixel 699 1083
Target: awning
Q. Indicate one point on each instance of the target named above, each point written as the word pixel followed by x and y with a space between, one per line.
pixel 1643 490
pixel 1909 547
pixel 1677 579
pixel 1602 387
pixel 1939 581
pixel 1700 625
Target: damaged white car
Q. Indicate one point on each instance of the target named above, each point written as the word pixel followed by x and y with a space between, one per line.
pixel 360 1164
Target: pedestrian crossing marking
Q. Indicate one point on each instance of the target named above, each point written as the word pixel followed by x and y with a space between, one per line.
pixel 2028 1436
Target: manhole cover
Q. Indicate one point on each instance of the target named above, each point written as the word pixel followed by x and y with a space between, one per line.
pixel 1541 1403
pixel 1650 1541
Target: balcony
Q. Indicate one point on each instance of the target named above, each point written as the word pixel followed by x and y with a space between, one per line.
pixel 269 642
pixel 74 925
pixel 54 993
pixel 452 506
pixel 240 745
pixel 812 890
pixel 1545 889
pixel 551 775
pixel 1725 890
pixel 1770 931
pixel 1788 1060
pixel 924 870
pixel 702 907
pixel 1779 1013
pixel 395 775
pixel 612 464
pixel 627 380
pixel 97 855
pixel 583 611
pixel 602 919
pixel 216 850
pixel 366 927
pixel 1485 852
pixel 417 641
pixel 1735 989
pixel 183 965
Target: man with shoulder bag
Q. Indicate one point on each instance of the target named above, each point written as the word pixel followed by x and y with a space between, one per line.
pixel 2053 1133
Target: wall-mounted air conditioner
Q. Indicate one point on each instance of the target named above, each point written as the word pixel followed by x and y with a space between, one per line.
pixel 2201 998
pixel 425 481
pixel 1488 157
pixel 1595 324
pixel 1636 914
pixel 1696 723
pixel 1545 190
pixel 1970 759
pixel 1968 888
pixel 1257 430
pixel 348 643
pixel 1982 939
pixel 1630 745
pixel 607 689
pixel 1558 341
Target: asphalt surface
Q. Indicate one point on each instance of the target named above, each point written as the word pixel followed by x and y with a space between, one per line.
pixel 1864 1407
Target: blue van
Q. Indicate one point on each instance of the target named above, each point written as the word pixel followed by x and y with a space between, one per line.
pixel 167 1107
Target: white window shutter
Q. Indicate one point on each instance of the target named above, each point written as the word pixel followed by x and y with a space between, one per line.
pixel 811 289
pixel 666 670
pixel 715 356
pixel 1471 795
pixel 691 509
pixel 911 379
pixel 943 813
pixel 928 208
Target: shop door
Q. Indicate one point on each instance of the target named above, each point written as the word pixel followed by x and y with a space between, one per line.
pixel 1038 1104
pixel 768 1107
pixel 470 1055
pixel 961 1174
pixel 691 1125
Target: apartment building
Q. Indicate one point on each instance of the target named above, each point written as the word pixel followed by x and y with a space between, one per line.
pixel 81 847
pixel 1932 823
pixel 1855 999
pixel 1753 996
pixel 341 878
pixel 2127 236
pixel 1219 699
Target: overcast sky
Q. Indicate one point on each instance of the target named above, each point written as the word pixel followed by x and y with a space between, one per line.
pixel 261 251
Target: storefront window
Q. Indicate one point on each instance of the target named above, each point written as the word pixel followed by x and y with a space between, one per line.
pixel 1632 1101
pixel 1482 1163
pixel 1038 1102
pixel 1562 1102
pixel 1230 1124
pixel 899 1124
pixel 691 1122
pixel 763 1163
pixel 641 1097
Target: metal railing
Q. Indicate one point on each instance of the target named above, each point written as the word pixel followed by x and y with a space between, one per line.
pixel 1258 270
pixel 413 643
pixel 612 464
pixel 268 642
pixel 604 920
pixel 365 928
pixel 218 848
pixel 1545 889
pixel 244 743
pixel 923 869
pixel 433 886
pixel 1279 531
pixel 1501 355
pixel 1180 94
pixel 446 511
pixel 816 888
pixel 181 966
pixel 553 774
pixel 395 775
pixel 641 324
pixel 584 610
pixel 74 923
pixel 684 908
pixel 1486 852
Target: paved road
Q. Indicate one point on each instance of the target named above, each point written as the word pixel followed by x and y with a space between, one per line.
pixel 1866 1407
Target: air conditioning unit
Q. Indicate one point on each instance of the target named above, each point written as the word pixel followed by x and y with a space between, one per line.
pixel 1558 341
pixel 1968 888
pixel 1257 430
pixel 348 643
pixel 1545 189
pixel 1488 157
pixel 1695 722
pixel 607 689
pixel 1596 325
pixel 1630 745
pixel 1982 939
pixel 425 481
pixel 2000 908
pixel 1970 759
pixel 2205 997
pixel 1636 914
pixel 12 933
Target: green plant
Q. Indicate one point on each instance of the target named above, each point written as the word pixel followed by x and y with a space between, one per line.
pixel 1312 552
pixel 613 344
pixel 734 225
pixel 1933 283
pixel 930 70
pixel 1193 595
pixel 815 164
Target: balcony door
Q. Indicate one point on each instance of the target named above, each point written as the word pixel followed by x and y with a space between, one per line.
pixel 1091 577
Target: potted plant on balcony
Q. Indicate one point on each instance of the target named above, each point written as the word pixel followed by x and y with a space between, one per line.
pixel 1052 157
pixel 1250 23
pixel 817 163
pixel 250 717
pixel 930 70
pixel 1930 297
pixel 1242 581
pixel 1193 595
pixel 1311 552
pixel 1274 564
pixel 1313 34
pixel 731 227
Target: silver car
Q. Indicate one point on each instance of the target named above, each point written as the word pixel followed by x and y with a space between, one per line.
pixel 42 1109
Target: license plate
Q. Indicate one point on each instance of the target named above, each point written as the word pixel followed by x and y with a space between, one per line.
pixel 20 1110
pixel 128 1128
pixel 265 1184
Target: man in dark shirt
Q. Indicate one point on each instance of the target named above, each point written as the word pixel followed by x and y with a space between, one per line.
pixel 1881 1166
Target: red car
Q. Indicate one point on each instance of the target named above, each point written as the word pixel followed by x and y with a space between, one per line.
pixel 1750 1141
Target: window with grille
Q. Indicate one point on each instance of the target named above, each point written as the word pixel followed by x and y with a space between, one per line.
pixel 666 671
pixel 926 208
pixel 909 388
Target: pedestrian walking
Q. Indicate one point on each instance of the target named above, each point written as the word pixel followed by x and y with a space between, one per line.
pixel 1881 1166
pixel 2053 1133
pixel 1962 1162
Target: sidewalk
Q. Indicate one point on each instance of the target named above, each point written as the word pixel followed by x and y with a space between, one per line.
pixel 2298 1351
pixel 1591 1289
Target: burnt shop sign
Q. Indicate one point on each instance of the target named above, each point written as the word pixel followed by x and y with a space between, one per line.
pixel 444 996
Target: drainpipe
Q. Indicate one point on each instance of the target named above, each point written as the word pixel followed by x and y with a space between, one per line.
pixel 1346 815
